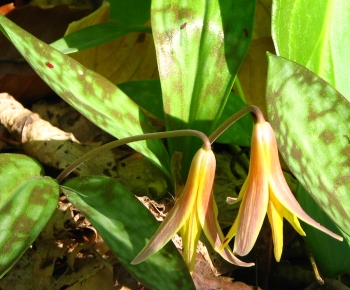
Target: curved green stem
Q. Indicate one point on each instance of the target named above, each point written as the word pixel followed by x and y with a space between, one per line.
pixel 111 145
pixel 250 109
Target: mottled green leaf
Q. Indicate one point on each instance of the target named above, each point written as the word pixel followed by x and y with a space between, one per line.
pixel 126 226
pixel 315 35
pixel 312 120
pixel 200 46
pixel 91 94
pixel 131 12
pixel 27 201
pixel 95 35
pixel 328 253
pixel 148 95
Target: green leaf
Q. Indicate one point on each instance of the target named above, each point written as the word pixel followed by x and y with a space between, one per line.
pixel 27 201
pixel 131 12
pixel 311 121
pixel 95 35
pixel 148 95
pixel 313 34
pixel 200 46
pixel 126 226
pixel 328 253
pixel 91 94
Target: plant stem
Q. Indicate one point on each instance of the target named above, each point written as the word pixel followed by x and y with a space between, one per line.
pixel 259 118
pixel 111 145
pixel 239 89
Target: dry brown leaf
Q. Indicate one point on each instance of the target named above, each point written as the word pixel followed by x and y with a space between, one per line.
pixel 204 278
pixel 48 144
pixel 56 148
pixel 57 259
pixel 127 58
pixel 60 114
pixel 253 72
pixel 16 76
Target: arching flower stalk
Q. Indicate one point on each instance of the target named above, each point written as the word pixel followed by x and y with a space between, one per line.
pixel 266 191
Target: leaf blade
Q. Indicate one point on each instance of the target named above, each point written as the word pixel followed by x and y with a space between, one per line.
pixel 200 46
pixel 313 143
pixel 91 94
pixel 126 225
pixel 315 40
pixel 27 201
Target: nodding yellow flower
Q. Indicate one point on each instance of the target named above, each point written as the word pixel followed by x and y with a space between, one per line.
pixel 194 210
pixel 266 191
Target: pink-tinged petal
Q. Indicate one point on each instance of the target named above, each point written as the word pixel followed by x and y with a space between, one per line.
pixel 279 187
pixel 190 233
pixel 254 204
pixel 275 215
pixel 215 236
pixel 205 184
pixel 178 214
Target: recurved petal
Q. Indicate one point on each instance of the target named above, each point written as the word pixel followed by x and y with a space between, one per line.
pixel 215 236
pixel 254 203
pixel 279 187
pixel 178 214
pixel 232 200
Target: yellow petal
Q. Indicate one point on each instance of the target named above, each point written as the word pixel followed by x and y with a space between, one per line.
pixel 275 215
pixel 232 200
pixel 190 233
pixel 178 214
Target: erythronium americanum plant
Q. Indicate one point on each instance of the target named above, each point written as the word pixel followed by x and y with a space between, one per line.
pixel 195 93
pixel 266 190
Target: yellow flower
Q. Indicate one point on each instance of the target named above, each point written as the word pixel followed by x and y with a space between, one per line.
pixel 194 210
pixel 266 190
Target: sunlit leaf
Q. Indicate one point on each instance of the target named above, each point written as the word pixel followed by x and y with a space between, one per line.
pixel 312 123
pixel 126 226
pixel 95 35
pixel 314 34
pixel 200 46
pixel 91 94
pixel 148 95
pixel 328 253
pixel 27 201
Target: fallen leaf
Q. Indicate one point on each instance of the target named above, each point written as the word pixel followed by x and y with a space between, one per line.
pixel 253 72
pixel 204 278
pixel 48 144
pixel 127 58
pixel 47 25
